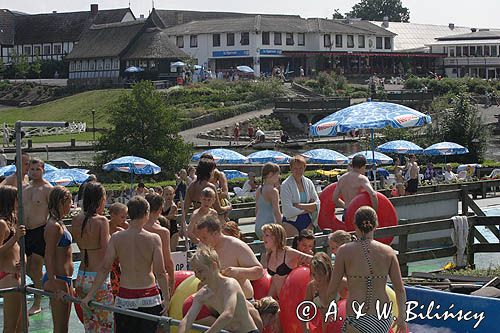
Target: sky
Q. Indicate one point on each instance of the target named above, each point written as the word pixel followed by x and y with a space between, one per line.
pixel 478 13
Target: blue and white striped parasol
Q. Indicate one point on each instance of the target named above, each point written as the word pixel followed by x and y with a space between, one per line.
pixel 369 115
pixel 132 164
pixel 66 177
pixel 379 157
pixel 325 156
pixel 265 156
pixel 11 169
pixel 446 148
pixel 400 147
pixel 223 156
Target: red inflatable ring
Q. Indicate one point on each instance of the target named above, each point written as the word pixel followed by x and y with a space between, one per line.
pixel 204 312
pixel 326 217
pixel 386 213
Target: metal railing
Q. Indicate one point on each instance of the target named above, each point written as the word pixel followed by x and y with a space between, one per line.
pixel 162 321
pixel 23 288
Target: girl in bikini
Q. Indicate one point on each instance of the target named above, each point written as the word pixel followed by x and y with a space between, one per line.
pixel 169 211
pixel 321 273
pixel 367 263
pixel 59 257
pixel 10 233
pixel 90 229
pixel 279 259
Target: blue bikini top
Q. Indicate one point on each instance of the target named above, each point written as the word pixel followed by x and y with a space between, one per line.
pixel 66 239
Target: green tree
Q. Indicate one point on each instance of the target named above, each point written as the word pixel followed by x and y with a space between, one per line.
pixel 36 67
pixel 2 66
pixel 459 121
pixel 375 10
pixel 337 15
pixel 20 64
pixel 143 126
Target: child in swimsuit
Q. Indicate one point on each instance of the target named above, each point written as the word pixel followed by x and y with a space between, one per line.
pixel 220 293
pixel 58 259
pixel 118 214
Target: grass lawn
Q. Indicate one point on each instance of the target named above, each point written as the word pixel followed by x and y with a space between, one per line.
pixel 77 108
pixel 85 136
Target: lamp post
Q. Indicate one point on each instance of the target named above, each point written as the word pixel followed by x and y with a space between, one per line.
pixel 93 125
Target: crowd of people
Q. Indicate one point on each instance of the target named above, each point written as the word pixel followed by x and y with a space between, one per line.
pixel 127 261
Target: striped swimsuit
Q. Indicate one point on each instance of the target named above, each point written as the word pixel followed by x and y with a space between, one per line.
pixel 368 323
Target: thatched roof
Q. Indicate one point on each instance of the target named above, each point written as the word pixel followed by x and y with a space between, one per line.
pixel 7 27
pixel 108 40
pixel 154 44
pixel 58 27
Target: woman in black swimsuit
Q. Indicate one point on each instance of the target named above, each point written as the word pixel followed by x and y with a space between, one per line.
pixel 279 259
pixel 169 211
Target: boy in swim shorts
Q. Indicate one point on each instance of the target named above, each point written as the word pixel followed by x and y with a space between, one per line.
pixel 220 293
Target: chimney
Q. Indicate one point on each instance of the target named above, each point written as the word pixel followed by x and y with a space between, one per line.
pixel 484 29
pixel 141 16
pixel 94 8
pixel 180 18
pixel 473 29
pixel 451 26
pixel 385 23
pixel 54 12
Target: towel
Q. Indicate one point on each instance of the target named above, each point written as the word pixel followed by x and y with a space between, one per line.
pixel 459 237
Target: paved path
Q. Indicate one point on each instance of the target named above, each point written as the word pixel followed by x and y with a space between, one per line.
pixel 190 135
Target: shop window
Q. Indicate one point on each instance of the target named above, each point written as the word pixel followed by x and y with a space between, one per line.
pixel 301 39
pixel 387 43
pixel 486 50
pixel 47 50
pixel 230 39
pixel 179 41
pixel 350 41
pixel 215 40
pixel 245 38
pixel 361 42
pixel 193 41
pixel 494 50
pixel 327 40
pixel 338 40
pixel 265 38
pixel 277 38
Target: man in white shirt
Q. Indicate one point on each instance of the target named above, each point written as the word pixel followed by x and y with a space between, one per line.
pixel 448 174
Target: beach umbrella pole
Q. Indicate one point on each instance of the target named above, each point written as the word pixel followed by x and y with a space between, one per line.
pixel 374 167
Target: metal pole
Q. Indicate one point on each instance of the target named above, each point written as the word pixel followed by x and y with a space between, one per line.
pixel 20 212
pixel 127 312
pixel 93 125
pixel 374 167
pixel 20 219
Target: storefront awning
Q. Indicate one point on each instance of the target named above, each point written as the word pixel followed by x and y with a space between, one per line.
pixel 363 54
